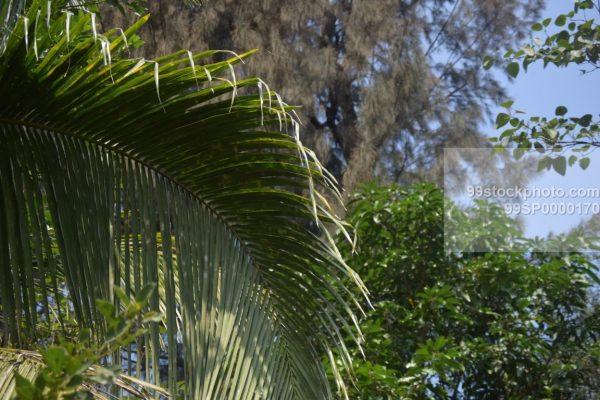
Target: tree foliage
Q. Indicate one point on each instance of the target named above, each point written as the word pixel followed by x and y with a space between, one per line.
pixel 576 42
pixel 472 325
pixel 383 84
pixel 72 369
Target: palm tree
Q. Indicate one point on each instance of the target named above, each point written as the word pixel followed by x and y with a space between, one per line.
pixel 119 172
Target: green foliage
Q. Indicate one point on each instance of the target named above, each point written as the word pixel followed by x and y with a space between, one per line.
pixel 472 325
pixel 72 368
pixel 345 62
pixel 576 42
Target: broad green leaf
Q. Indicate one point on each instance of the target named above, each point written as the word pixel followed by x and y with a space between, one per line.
pixel 585 120
pixel 559 164
pixel 513 69
pixel 55 358
pixel 572 160
pixel 560 110
pixel 584 163
pixel 502 119
pixel 106 308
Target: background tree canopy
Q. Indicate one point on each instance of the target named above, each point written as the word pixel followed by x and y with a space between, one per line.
pixel 473 326
pixel 383 84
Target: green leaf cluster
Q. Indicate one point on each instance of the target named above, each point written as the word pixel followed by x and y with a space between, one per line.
pixel 576 42
pixel 72 369
pixel 516 325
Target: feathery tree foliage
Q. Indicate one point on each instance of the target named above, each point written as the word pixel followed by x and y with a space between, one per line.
pixel 384 84
pixel 117 172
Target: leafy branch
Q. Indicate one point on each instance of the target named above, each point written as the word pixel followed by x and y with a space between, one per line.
pixel 74 369
pixel 577 42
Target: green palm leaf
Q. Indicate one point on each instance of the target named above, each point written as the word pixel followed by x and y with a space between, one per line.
pixel 116 171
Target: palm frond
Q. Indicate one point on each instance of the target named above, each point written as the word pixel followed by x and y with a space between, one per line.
pixel 10 10
pixel 117 171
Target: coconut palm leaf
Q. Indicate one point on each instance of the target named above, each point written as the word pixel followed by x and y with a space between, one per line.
pixel 118 171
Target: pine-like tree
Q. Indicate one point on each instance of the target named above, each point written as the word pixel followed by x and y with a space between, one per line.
pixel 383 84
